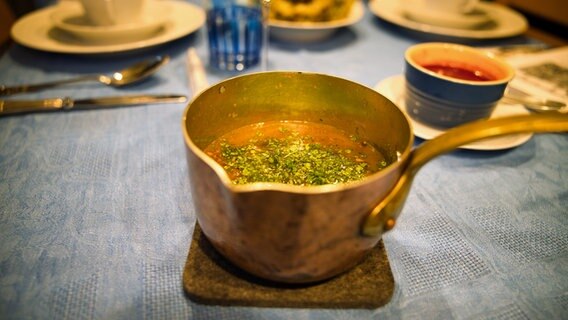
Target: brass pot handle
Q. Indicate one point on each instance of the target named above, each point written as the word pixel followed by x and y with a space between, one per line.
pixel 383 216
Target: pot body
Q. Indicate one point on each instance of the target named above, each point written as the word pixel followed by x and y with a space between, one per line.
pixel 282 232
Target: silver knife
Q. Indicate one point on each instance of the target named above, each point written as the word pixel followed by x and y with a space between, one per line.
pixel 55 104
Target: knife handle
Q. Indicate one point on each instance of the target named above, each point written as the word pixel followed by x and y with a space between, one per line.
pixel 21 106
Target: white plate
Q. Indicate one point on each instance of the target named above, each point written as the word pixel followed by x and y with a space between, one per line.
pixel 506 22
pixel 475 19
pixel 393 89
pixel 314 31
pixel 70 16
pixel 36 30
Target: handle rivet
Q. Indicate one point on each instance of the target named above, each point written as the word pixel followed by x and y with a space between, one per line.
pixel 389 224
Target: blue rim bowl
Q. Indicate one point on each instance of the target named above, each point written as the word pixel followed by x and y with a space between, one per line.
pixel 444 101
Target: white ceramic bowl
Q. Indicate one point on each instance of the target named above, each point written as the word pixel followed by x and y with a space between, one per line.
pixel 71 18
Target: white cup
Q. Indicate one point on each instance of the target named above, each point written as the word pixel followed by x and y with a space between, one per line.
pixel 114 12
pixel 447 6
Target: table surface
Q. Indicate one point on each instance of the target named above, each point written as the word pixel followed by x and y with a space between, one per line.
pixel 96 214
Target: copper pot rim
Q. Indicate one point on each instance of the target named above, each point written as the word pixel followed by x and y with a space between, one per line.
pixel 402 157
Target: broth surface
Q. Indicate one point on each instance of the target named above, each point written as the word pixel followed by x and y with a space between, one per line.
pixel 299 153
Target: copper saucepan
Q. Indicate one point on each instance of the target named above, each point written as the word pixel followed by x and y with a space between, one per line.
pixel 301 234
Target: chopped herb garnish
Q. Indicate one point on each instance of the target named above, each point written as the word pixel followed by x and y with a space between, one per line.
pixel 293 160
pixel 287 153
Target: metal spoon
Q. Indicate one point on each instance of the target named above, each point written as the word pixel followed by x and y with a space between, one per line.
pixel 516 96
pixel 134 73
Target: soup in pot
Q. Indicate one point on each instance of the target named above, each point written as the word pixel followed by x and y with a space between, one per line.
pixel 299 153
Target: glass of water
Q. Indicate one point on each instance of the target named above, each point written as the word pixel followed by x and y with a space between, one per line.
pixel 237 33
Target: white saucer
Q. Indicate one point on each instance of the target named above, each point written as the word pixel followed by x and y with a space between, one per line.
pixel 477 18
pixel 505 21
pixel 393 89
pixel 313 31
pixel 36 30
pixel 70 16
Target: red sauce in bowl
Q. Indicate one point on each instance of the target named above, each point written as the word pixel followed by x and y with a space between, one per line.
pixel 459 72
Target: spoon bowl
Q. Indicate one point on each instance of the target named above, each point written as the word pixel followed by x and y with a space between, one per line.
pixel 516 96
pixel 134 73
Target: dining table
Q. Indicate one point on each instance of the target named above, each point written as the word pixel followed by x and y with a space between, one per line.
pixel 97 215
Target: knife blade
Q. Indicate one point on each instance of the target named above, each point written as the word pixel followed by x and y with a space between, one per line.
pixel 8 107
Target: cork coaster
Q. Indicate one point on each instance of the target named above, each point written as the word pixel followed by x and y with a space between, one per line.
pixel 208 278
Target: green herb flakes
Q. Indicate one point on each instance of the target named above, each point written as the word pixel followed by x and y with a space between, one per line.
pixel 292 160
pixel 295 152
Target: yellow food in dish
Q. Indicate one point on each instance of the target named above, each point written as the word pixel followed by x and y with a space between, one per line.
pixel 310 10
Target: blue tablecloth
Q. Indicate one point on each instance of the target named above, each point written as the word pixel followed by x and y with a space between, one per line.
pixel 96 214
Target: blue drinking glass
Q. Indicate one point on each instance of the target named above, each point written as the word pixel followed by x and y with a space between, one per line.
pixel 236 33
